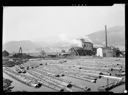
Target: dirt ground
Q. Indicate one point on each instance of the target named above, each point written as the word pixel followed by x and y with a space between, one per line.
pixel 79 66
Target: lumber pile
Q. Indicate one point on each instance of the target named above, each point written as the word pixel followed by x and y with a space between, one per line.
pixel 23 80
pixel 111 85
pixel 50 76
pixel 47 79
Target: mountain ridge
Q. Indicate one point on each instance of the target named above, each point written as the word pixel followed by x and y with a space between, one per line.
pixel 116 37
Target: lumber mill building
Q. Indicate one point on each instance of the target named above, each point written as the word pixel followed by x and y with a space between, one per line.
pixel 105 52
pixel 86 49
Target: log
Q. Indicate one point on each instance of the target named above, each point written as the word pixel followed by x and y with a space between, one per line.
pixel 112 77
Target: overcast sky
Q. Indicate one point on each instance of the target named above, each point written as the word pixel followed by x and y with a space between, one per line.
pixel 58 23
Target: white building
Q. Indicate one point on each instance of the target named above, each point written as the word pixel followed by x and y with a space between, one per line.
pixel 105 52
pixel 99 52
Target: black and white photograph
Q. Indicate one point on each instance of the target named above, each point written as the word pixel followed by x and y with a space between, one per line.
pixel 64 48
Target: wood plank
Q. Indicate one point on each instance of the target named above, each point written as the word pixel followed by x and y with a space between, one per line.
pixel 112 77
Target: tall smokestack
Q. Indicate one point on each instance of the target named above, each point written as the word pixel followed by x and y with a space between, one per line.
pixel 106 35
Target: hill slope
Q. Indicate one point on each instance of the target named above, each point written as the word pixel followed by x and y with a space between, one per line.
pixel 115 37
pixel 13 46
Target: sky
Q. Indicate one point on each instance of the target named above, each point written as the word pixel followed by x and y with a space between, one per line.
pixel 57 23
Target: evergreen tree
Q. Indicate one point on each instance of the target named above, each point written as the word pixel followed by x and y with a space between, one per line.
pixel 5 53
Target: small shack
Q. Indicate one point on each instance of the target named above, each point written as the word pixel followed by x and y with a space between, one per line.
pixel 99 52
pixel 105 52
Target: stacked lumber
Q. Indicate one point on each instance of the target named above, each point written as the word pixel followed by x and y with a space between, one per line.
pixel 23 79
pixel 45 82
pixel 65 70
pixel 76 72
pixel 47 70
pixel 112 77
pixel 50 75
pixel 79 77
pixel 80 72
pixel 111 85
pixel 76 75
pixel 50 80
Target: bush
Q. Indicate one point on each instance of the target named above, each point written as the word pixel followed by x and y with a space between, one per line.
pixel 7 85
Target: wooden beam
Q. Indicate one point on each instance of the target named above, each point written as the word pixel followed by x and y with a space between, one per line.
pixel 112 77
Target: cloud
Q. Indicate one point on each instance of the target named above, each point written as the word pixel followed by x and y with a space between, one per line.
pixel 87 39
pixel 76 42
pixel 64 37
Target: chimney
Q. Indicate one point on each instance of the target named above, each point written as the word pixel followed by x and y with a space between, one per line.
pixel 106 35
pixel 82 41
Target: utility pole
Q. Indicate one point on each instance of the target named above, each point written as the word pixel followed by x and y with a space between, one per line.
pixel 106 35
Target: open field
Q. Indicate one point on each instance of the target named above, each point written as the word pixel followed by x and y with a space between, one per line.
pixel 71 74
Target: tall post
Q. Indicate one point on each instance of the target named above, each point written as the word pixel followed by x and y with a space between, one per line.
pixel 107 81
pixel 20 52
pixel 106 35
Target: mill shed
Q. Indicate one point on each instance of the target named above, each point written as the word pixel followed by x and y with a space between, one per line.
pixel 105 52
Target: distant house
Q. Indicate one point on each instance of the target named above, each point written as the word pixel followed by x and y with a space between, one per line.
pixel 5 53
pixel 99 52
pixel 105 52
